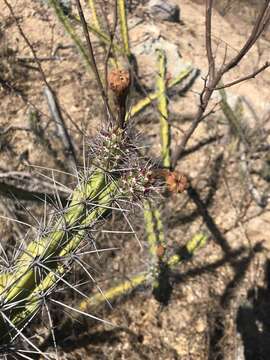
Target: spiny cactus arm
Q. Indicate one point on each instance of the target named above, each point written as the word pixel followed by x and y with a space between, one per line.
pixel 165 135
pixel 155 239
pixel 198 241
pixel 123 26
pixel 97 29
pixel 95 20
pixel 150 228
pixel 3 281
pixel 114 293
pixel 30 304
pixel 143 103
pixel 96 195
pixel 45 260
pixel 102 207
pixel 153 221
pixel 104 38
pixel 160 230
pixel 24 278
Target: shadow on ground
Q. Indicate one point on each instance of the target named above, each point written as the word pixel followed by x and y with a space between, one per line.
pixel 253 321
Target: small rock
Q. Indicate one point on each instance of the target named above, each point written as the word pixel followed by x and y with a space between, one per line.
pixel 145 53
pixel 164 10
pixel 200 326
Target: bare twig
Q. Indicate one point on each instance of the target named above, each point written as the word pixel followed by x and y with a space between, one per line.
pixel 112 34
pixel 108 112
pixel 214 76
pixel 10 87
pixel 209 50
pixel 24 186
pixel 12 191
pixel 54 105
pixel 14 128
pixel 244 78
pixel 27 42
pixel 38 130
pixel 261 22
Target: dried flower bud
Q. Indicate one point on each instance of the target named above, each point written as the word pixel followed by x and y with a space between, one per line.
pixel 176 181
pixel 160 251
pixel 119 81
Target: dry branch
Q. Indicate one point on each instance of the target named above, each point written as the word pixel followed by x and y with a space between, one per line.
pixel 215 75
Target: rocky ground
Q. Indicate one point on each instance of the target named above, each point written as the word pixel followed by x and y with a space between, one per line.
pixel 219 306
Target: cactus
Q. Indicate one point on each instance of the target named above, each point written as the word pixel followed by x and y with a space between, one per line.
pixel 143 103
pixel 165 133
pixel 118 172
pixel 44 262
pixel 124 27
pixel 198 241
pixel 95 20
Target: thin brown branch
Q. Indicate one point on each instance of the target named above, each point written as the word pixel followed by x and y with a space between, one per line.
pixel 181 147
pixel 48 88
pixel 244 78
pixel 14 128
pixel 11 88
pixel 209 50
pixel 112 34
pixel 25 186
pixel 108 112
pixel 214 77
pixel 27 42
pixel 6 85
pixel 259 26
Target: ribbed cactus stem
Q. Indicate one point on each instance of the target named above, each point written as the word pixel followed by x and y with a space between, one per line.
pixel 71 31
pixel 163 110
pixel 143 103
pixel 33 301
pixel 95 20
pixel 47 259
pixel 194 244
pixel 123 26
pixel 150 228
pixel 41 265
pixel 25 277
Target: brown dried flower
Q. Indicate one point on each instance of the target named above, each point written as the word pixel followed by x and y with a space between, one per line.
pixel 176 181
pixel 160 251
pixel 119 81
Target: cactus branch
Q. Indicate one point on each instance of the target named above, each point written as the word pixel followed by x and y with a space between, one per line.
pixel 123 26
pixel 165 134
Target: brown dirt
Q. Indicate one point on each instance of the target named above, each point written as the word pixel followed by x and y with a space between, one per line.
pixel 227 277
